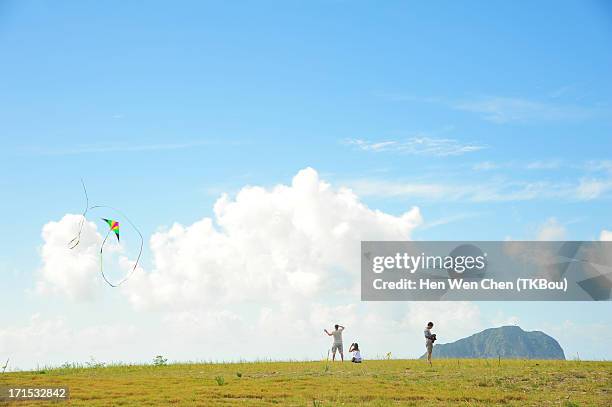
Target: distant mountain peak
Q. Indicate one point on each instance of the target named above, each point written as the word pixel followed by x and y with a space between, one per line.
pixel 507 342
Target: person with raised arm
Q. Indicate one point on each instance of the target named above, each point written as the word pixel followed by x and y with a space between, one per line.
pixel 337 346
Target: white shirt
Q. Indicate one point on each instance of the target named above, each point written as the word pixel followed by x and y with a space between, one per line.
pixel 337 333
pixel 357 355
pixel 427 336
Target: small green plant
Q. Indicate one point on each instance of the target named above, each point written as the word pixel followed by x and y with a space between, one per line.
pixel 220 380
pixel 94 364
pixel 388 356
pixel 317 403
pixel 239 374
pixel 160 361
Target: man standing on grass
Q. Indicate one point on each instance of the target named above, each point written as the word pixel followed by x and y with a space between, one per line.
pixel 429 340
pixel 337 346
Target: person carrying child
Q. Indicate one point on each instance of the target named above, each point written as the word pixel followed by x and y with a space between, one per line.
pixel 429 340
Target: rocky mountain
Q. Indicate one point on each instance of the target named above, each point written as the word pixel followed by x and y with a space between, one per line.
pixel 508 342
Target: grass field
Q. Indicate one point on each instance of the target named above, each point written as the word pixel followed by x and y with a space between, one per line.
pixel 373 383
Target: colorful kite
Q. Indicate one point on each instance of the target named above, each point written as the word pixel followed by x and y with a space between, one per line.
pixel 113 227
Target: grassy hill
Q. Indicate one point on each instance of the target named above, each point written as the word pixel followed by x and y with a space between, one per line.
pixel 373 383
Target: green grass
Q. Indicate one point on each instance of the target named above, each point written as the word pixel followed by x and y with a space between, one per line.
pixel 372 383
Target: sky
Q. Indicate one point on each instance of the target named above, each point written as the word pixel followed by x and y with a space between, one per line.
pixel 256 143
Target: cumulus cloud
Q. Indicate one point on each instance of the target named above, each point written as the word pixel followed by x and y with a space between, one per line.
pixel 605 235
pixel 551 230
pixel 274 265
pixel 70 272
pixel 275 244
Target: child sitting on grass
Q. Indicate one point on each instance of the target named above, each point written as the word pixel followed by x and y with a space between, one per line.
pixel 356 353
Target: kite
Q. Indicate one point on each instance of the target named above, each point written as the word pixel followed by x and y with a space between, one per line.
pixel 113 226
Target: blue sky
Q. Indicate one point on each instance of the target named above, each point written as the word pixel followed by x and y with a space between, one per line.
pixel 493 119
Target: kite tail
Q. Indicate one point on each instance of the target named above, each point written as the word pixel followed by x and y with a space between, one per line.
pixel 102 260
pixel 104 242
pixel 77 238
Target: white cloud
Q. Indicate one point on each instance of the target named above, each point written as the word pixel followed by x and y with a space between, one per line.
pixel 605 235
pixel 440 147
pixel 495 190
pixel 549 164
pixel 281 244
pixel 592 188
pixel 274 265
pixel 70 272
pixel 551 230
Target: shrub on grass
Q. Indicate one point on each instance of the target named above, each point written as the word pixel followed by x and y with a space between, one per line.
pixel 160 361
